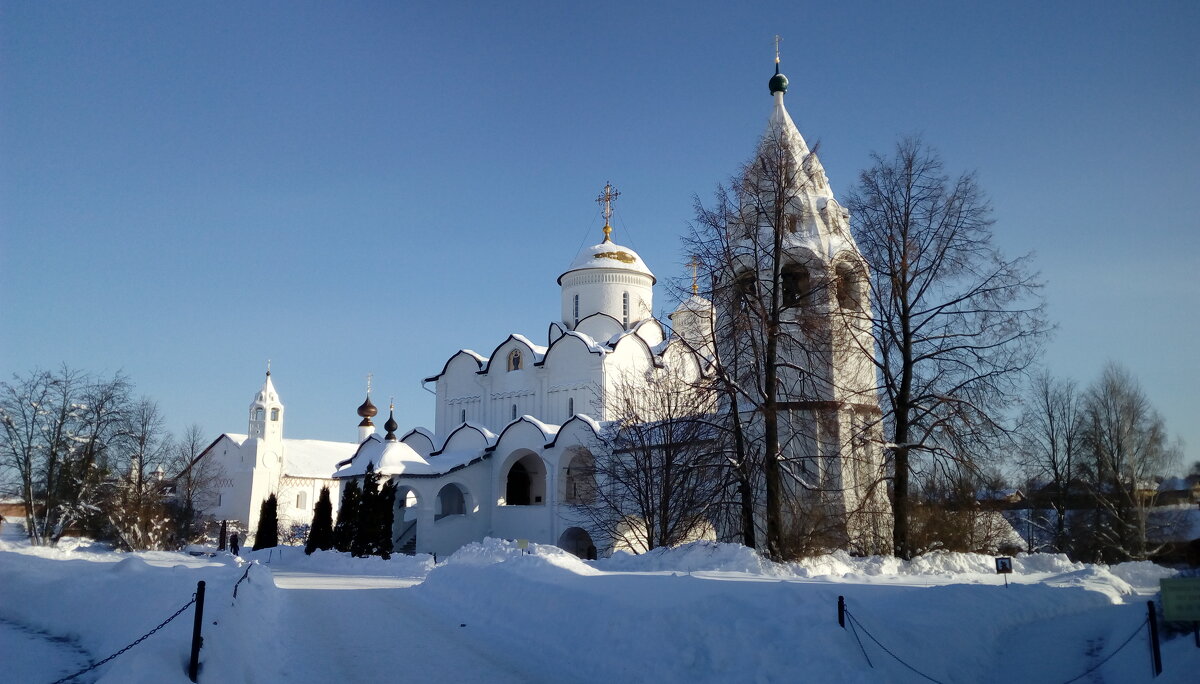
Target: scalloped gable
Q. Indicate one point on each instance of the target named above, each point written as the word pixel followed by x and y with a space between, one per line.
pixel 545 431
pixel 600 326
pixel 621 342
pixel 467 436
pixel 588 343
pixel 355 465
pixel 537 350
pixel 648 324
pixel 421 440
pixel 480 362
pixel 577 429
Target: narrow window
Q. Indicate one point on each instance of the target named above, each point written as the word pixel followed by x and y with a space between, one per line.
pixel 219 497
pixel 570 406
pixel 625 309
pixel 514 411
pixel 848 286
pixel 577 310
pixel 789 223
pixel 463 416
pixel 274 414
pixel 258 414
pixel 301 500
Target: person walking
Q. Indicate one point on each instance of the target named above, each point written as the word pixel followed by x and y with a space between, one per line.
pixel 233 543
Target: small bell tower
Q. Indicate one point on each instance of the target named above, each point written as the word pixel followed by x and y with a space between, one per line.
pixel 266 412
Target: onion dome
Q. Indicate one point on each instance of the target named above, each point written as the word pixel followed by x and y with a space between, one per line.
pixel 391 425
pixel 779 82
pixel 367 410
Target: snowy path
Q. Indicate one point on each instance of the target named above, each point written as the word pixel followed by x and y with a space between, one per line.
pixel 349 607
pixel 32 656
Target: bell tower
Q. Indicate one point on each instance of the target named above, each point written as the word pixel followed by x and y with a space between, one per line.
pixel 266 413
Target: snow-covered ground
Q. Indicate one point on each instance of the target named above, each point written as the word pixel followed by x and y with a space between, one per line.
pixel 490 613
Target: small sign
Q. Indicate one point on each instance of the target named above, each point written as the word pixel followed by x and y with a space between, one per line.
pixel 523 544
pixel 1180 599
pixel 1003 565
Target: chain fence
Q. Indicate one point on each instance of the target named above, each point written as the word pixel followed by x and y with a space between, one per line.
pixel 856 625
pixel 244 578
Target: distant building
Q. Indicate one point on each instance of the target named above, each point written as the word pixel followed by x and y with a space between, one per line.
pixel 263 462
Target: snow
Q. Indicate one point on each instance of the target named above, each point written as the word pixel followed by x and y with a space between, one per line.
pixel 314 458
pixel 493 612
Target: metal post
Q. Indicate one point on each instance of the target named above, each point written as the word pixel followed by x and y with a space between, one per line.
pixel 1155 651
pixel 842 612
pixel 194 663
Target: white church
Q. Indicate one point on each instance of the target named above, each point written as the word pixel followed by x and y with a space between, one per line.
pixel 517 430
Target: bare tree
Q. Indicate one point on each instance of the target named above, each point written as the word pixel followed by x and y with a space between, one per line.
pixel 56 430
pixel 658 482
pixel 793 343
pixel 136 502
pixel 1051 436
pixel 196 482
pixel 1127 446
pixel 957 323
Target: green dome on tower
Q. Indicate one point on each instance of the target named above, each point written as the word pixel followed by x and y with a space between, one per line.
pixel 779 82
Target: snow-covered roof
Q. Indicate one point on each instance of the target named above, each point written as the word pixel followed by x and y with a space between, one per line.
pixel 314 457
pixel 694 303
pixel 609 255
pixel 397 458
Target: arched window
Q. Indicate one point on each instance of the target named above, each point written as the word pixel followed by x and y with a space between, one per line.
pixel 849 286
pixel 462 418
pixel 570 406
pixel 796 285
pixel 580 480
pixel 302 500
pixel 625 309
pixel 514 412
pixel 789 223
pixel 514 360
pixel 274 414
pixel 258 414
pixel 576 309
pixel 450 501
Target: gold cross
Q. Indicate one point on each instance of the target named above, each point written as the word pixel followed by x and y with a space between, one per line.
pixel 777 39
pixel 606 198
pixel 369 375
pixel 694 263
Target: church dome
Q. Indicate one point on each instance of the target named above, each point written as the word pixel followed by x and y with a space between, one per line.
pixel 609 255
pixel 367 409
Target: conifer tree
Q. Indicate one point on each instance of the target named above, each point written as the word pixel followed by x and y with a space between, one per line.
pixel 267 534
pixel 366 540
pixel 385 513
pixel 320 534
pixel 347 521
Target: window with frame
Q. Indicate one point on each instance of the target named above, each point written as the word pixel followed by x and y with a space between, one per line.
pixel 258 414
pixel 302 500
pixel 625 309
pixel 849 286
pixel 274 414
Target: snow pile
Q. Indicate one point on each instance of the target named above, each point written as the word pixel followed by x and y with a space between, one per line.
pixel 334 562
pixel 493 551
pixel 696 557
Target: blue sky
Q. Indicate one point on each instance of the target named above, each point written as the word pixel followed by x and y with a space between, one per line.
pixel 354 188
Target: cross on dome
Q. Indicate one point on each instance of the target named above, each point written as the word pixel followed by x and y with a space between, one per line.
pixel 606 198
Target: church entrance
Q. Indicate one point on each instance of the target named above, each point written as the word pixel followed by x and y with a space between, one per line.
pixel 525 484
pixel 576 540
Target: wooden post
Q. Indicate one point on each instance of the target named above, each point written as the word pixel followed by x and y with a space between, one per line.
pixel 842 612
pixel 194 663
pixel 1155 651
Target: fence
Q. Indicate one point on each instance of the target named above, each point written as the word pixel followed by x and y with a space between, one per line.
pixel 197 639
pixel 1150 622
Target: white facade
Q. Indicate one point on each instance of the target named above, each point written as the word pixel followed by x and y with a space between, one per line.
pixel 262 462
pixel 513 428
